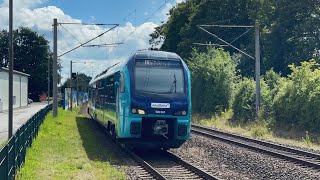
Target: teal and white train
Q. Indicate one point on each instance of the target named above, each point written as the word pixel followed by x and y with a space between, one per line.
pixel 144 101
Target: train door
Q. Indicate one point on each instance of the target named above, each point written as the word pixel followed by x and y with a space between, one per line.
pixel 117 102
pixel 119 96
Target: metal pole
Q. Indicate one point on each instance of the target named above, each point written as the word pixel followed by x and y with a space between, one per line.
pixel 55 65
pixel 257 54
pixel 10 130
pixel 77 90
pixel 70 83
pixel 20 89
pixel 48 81
pixel 71 96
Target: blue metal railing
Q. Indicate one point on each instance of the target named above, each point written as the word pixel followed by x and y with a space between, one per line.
pixel 13 154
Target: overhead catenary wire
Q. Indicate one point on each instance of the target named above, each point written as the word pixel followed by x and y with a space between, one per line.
pixel 203 44
pixel 89 40
pixel 230 26
pixel 240 36
pixel 70 34
pixel 102 45
pixel 134 11
pixel 67 44
pixel 226 42
pixel 165 2
pixel 90 24
pixel 227 26
pixel 124 19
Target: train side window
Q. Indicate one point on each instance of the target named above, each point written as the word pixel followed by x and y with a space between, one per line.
pixel 122 88
pixel 112 95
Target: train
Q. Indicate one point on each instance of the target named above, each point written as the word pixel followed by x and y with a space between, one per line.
pixel 144 101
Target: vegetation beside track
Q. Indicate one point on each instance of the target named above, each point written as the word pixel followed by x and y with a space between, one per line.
pixel 70 147
pixel 257 129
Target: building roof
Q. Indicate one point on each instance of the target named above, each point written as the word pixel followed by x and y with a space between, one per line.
pixel 14 72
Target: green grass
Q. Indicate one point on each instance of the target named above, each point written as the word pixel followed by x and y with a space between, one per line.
pixel 70 147
pixel 259 130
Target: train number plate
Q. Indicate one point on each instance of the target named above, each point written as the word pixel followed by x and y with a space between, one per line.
pixel 160 105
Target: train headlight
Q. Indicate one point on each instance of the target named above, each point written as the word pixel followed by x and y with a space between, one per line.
pixel 137 111
pixel 140 111
pixel 180 113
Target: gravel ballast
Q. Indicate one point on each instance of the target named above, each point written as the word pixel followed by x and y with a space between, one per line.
pixel 228 161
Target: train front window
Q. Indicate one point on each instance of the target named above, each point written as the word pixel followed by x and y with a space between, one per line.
pixel 159 77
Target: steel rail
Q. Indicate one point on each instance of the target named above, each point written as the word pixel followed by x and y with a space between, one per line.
pixel 139 160
pixel 189 166
pixel 144 164
pixel 155 173
pixel 278 146
pixel 272 148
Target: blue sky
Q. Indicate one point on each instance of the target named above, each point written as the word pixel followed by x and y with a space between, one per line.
pixel 38 15
pixel 113 11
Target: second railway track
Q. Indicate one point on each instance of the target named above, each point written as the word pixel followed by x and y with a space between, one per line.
pixel 304 158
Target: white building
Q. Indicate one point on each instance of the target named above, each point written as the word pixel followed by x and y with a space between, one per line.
pixel 20 89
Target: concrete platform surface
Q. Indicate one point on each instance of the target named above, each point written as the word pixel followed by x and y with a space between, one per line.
pixel 20 116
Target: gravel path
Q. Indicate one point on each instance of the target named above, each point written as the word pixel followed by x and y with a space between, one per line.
pixel 232 162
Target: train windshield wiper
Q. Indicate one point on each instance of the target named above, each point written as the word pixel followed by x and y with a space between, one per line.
pixel 173 87
pixel 147 77
pixel 152 92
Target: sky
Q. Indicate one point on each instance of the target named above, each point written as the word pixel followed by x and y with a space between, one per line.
pixel 136 17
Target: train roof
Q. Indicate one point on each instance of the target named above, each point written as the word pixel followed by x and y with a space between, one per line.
pixel 159 55
pixel 110 70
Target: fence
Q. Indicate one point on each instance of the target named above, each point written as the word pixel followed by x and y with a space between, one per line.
pixel 12 155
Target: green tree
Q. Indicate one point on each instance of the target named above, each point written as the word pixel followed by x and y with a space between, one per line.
pixel 82 81
pixel 213 77
pixel 4 48
pixel 31 56
pixel 290 30
pixel 295 33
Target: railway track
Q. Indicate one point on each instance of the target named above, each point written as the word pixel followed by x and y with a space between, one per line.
pixel 161 164
pixel 301 157
pixel 165 165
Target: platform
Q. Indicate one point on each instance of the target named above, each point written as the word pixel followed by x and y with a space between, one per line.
pixel 20 116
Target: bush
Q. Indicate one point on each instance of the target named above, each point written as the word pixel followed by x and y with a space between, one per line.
pixel 297 103
pixel 245 99
pixel 274 81
pixel 213 77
